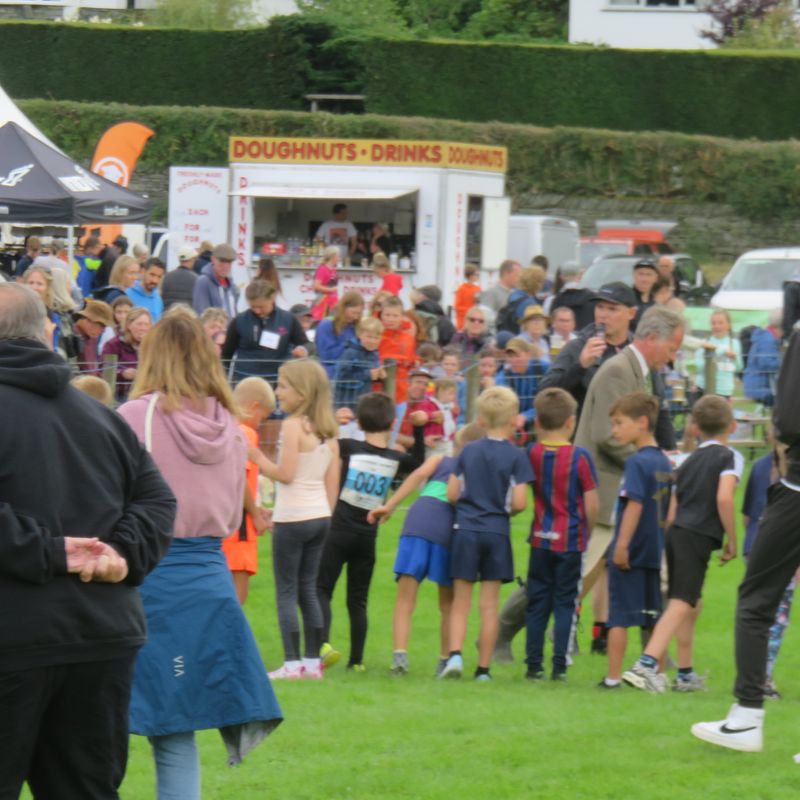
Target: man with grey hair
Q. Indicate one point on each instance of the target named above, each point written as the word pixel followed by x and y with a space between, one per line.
pixel 657 341
pixel 573 295
pixel 507 280
pixel 84 516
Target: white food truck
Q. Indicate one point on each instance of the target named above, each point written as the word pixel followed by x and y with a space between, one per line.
pixel 442 203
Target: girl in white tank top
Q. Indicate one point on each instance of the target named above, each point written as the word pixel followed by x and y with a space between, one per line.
pixel 307 483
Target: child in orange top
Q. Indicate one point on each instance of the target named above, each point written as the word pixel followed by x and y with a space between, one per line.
pixel 467 294
pixel 256 400
pixel 397 344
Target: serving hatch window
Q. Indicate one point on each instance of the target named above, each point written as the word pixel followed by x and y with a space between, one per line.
pixel 287 228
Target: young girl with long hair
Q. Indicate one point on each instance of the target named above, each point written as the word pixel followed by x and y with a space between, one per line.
pixel 307 483
pixel 200 667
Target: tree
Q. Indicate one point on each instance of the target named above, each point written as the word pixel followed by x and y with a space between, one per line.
pixel 201 14
pixel 776 30
pixel 536 19
pixel 376 16
pixel 732 16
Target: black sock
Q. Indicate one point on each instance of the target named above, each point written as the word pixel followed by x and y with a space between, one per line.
pixel 481 671
pixel 454 653
pixel 685 670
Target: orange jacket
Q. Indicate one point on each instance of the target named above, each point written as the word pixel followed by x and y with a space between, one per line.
pixel 399 345
pixel 466 297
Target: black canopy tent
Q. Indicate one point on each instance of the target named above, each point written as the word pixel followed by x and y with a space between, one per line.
pixel 40 185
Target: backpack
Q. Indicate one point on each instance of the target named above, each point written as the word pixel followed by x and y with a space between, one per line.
pixel 438 329
pixel 508 315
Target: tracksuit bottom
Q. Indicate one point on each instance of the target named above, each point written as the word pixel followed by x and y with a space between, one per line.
pixel 357 551
pixel 64 729
pixel 773 561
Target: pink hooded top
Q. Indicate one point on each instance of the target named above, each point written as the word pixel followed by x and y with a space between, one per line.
pixel 202 457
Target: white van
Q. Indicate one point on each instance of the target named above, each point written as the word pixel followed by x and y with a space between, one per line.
pixel 554 237
pixel 754 285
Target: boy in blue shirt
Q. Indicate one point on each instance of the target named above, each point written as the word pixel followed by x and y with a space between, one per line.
pixel 489 484
pixel 634 560
pixel 359 365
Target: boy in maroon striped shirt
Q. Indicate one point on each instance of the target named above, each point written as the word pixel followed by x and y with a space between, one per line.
pixel 566 504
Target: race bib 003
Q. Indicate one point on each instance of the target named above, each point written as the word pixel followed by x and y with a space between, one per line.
pixel 368 481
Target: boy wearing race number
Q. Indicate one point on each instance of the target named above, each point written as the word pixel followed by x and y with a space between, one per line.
pixel 368 471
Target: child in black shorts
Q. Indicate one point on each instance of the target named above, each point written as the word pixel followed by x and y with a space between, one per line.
pixel 703 514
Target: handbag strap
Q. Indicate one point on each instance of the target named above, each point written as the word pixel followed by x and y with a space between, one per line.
pixel 148 422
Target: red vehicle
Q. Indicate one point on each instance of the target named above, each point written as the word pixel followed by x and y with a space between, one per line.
pixel 626 238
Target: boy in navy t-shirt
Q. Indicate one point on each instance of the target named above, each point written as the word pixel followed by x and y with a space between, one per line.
pixel 488 486
pixel 634 559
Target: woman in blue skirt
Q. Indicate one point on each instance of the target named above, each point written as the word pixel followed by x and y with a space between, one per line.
pixel 200 667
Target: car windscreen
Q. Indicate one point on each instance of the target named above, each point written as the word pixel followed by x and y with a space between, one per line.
pixel 760 274
pixel 606 271
pixel 592 250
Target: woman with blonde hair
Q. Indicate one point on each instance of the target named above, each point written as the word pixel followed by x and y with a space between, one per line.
pixel 325 283
pixel 125 346
pixel 336 332
pixel 40 279
pixel 307 484
pixel 124 274
pixel 200 667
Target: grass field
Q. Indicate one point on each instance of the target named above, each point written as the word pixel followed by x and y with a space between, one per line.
pixel 372 735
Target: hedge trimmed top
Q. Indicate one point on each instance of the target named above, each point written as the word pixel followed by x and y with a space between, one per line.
pixel 723 93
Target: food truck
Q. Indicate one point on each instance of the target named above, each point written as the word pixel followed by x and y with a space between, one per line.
pixel 442 205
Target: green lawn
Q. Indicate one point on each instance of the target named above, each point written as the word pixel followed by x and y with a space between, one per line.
pixel 376 736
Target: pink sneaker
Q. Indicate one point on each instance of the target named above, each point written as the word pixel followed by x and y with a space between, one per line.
pixel 284 673
pixel 312 674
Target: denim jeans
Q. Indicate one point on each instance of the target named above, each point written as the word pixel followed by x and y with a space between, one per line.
pixel 177 766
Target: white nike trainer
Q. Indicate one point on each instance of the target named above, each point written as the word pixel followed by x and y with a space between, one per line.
pixel 743 730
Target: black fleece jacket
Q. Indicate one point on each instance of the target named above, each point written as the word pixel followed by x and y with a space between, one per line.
pixel 69 467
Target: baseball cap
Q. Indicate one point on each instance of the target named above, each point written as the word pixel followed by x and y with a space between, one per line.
pixel 97 311
pixel 186 253
pixel 224 252
pixel 646 263
pixel 300 310
pixel 617 292
pixel 502 339
pixel 421 372
pixel 518 345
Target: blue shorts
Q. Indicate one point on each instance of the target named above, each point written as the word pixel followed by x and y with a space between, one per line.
pixel 481 556
pixel 422 559
pixel 634 597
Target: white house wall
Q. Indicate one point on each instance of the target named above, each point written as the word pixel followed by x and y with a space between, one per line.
pixel 598 22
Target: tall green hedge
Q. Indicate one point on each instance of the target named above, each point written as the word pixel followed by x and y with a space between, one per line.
pixel 269 67
pixel 709 92
pixel 718 93
pixel 760 180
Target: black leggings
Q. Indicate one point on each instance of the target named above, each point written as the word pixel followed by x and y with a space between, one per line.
pixel 358 552
pixel 296 549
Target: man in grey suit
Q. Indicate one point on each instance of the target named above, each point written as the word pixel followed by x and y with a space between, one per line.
pixel 657 341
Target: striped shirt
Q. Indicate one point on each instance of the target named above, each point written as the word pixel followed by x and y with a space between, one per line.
pixel 563 473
